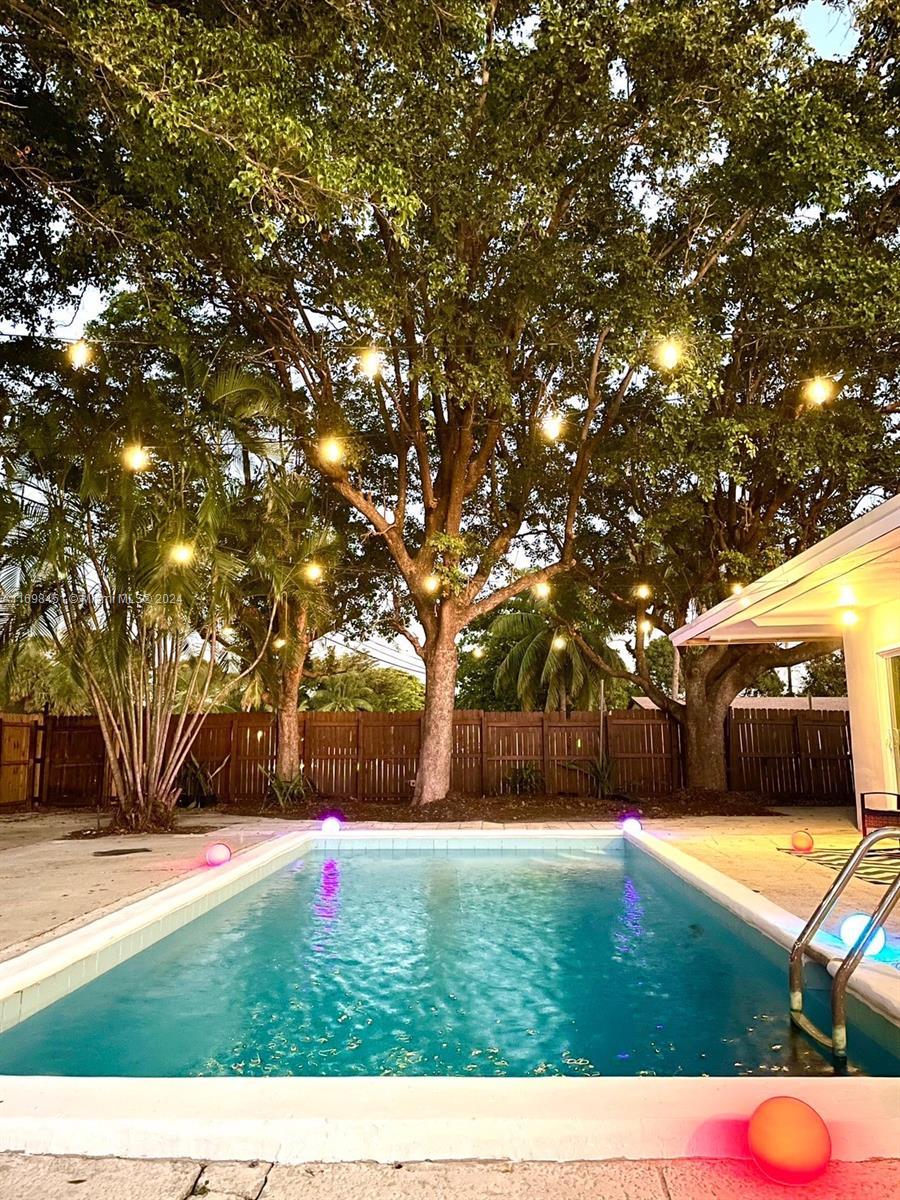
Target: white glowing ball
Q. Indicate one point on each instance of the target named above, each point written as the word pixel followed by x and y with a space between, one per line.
pixel 331 825
pixel 852 927
pixel 218 854
pixel 631 825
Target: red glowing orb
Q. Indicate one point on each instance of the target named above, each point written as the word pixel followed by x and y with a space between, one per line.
pixel 802 841
pixel 218 854
pixel 789 1141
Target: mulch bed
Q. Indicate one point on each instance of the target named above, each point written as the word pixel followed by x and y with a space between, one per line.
pixel 523 808
pixel 683 803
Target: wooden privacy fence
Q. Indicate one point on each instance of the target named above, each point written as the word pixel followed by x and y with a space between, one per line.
pixel 372 756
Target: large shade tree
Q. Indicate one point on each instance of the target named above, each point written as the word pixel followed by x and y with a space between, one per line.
pixel 493 209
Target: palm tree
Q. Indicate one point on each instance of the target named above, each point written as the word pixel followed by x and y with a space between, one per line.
pixel 123 553
pixel 544 658
pixel 347 692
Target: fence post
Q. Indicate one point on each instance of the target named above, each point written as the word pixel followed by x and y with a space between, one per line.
pixel 357 784
pixel 46 742
pixel 545 752
pixel 803 765
pixel 484 774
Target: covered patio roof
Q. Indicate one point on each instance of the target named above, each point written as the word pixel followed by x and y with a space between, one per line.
pixel 810 596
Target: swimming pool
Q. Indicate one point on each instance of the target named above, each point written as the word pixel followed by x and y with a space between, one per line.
pixel 537 958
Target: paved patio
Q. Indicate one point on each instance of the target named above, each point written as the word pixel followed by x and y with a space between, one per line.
pixel 47 1178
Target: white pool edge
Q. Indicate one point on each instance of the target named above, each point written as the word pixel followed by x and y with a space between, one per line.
pixel 389 1119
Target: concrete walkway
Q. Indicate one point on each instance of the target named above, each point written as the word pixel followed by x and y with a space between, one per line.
pixel 47 1178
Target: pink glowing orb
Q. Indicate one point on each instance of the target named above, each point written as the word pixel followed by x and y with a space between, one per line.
pixel 788 1140
pixel 331 825
pixel 631 825
pixel 218 854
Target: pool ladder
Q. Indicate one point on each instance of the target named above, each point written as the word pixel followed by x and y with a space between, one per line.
pixel 837 1043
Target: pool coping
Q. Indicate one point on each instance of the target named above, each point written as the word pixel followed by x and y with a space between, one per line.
pixel 386 1118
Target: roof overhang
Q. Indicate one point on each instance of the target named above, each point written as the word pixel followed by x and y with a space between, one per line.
pixel 806 598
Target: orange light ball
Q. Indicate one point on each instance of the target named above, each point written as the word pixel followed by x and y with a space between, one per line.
pixel 802 841
pixel 788 1140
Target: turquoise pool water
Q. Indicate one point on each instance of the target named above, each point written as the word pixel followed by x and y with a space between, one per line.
pixel 541 962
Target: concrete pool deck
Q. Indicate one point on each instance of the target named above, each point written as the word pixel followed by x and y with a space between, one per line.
pixel 49 886
pixel 747 850
pixel 42 1177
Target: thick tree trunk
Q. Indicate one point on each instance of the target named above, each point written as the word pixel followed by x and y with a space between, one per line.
pixel 287 753
pixel 436 751
pixel 711 682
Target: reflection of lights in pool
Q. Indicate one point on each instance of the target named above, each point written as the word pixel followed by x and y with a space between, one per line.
pixel 802 841
pixel 631 825
pixel 331 825
pixel 788 1140
pixel 218 854
pixel 852 927
pixel 326 906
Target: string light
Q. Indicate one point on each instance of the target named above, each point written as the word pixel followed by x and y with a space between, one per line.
pixel 227 631
pixel 819 390
pixel 642 591
pixel 431 583
pixel 136 458
pixel 847 597
pixel 646 625
pixel 181 553
pixel 737 589
pixel 552 427
pixel 849 617
pixel 331 451
pixel 279 643
pixel 313 572
pixel 559 642
pixel 541 589
pixel 371 362
pixel 477 652
pixel 79 354
pixel 669 353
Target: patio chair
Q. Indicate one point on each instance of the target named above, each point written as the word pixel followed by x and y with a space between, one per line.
pixel 879 818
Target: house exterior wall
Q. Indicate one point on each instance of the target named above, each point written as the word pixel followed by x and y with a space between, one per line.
pixel 868 646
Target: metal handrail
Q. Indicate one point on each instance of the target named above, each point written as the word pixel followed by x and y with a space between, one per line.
pixel 838 1040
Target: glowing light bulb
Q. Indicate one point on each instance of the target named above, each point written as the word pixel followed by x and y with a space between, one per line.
pixel 431 584
pixel 552 427
pixel 819 390
pixel 227 631
pixel 279 643
pixel 737 589
pixel 646 625
pixel 669 353
pixel 371 362
pixel 849 617
pixel 331 451
pixel 135 458
pixel 631 825
pixel 313 572
pixel 847 597
pixel 181 553
pixel 541 589
pixel 79 354
pixel 477 652
pixel 559 642
pixel 218 854
pixel 642 591
pixel 331 825
pixel 746 602
pixel 851 931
